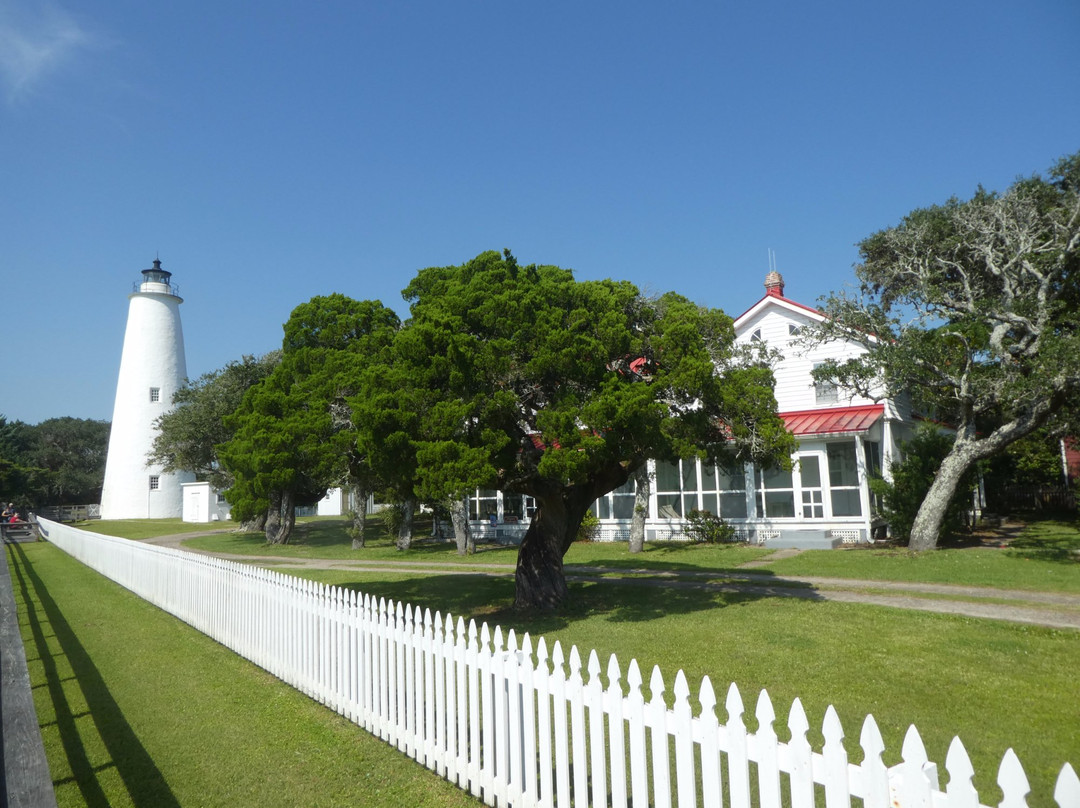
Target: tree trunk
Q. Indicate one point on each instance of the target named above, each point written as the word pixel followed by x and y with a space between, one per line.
pixel 641 508
pixel 926 528
pixel 459 515
pixel 280 517
pixel 405 531
pixel 359 516
pixel 256 525
pixel 540 580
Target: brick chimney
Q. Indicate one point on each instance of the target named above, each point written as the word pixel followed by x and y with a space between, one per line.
pixel 774 284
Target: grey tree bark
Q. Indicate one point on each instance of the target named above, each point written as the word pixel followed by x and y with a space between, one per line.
pixel 359 516
pixel 405 531
pixel 643 490
pixel 459 516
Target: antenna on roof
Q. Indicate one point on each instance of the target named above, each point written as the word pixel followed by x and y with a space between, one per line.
pixel 772 260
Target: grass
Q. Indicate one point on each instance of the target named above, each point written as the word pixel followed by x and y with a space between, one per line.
pixel 143 528
pixel 1045 556
pixel 138 709
pixel 996 685
pixel 992 683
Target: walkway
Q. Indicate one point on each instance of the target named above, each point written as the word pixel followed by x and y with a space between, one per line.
pixel 1050 609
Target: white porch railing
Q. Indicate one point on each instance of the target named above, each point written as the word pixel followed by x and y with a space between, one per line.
pixel 522 725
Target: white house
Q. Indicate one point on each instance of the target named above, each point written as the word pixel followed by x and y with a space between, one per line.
pixel 824 501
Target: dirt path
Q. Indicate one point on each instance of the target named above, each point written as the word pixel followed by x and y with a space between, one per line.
pixel 1051 609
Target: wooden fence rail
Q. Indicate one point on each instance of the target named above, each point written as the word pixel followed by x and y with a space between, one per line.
pixel 521 724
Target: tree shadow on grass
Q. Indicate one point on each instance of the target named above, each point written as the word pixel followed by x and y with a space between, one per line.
pixel 1059 542
pixel 143 780
pixel 490 598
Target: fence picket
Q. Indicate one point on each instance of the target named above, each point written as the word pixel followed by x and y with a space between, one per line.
pixel 682 730
pixel 875 776
pixel 834 762
pixel 635 714
pixel 738 758
pixel 489 719
pixel 1013 782
pixel 1067 788
pixel 766 746
pixel 613 706
pixel 594 704
pixel 656 717
pixel 575 698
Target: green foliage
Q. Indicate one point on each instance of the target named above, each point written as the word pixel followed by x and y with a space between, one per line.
pixel 520 378
pixel 292 435
pixel 589 527
pixel 911 480
pixel 60 461
pixel 705 527
pixel 189 435
pixel 972 308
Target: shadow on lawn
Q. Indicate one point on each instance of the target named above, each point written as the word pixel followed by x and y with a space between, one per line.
pixel 144 782
pixel 490 598
pixel 1048 541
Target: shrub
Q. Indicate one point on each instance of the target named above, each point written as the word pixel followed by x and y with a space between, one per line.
pixel 589 527
pixel 911 480
pixel 705 528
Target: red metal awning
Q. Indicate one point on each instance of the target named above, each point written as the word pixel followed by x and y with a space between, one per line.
pixel 833 420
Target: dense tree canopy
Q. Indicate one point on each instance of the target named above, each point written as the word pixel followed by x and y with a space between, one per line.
pixel 60 461
pixel 972 308
pixel 292 433
pixel 188 436
pixel 521 378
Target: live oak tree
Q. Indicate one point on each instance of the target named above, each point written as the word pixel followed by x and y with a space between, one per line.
pixel 972 308
pixel 521 378
pixel 293 435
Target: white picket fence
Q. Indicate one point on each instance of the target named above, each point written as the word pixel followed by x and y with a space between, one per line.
pixel 519 725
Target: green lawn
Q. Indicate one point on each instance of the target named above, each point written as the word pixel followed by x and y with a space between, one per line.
pixel 138 709
pixel 1045 557
pixel 994 684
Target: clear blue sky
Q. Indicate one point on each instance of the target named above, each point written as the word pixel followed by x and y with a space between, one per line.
pixel 269 152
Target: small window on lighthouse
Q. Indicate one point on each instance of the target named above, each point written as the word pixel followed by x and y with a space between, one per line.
pixel 154 479
pixel 155 394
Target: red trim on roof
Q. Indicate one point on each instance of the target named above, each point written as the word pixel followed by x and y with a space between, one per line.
pixel 795 303
pixel 832 420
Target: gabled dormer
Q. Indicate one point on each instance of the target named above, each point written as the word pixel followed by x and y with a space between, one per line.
pixel 778 321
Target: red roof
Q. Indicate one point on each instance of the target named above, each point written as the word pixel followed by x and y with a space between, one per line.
pixel 832 420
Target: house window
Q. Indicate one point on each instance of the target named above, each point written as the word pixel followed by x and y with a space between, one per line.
pixel 813 506
pixel 221 499
pixel 618 504
pixel 756 336
pixel 484 504
pixel 517 507
pixel 792 329
pixel 669 490
pixel 824 392
pixel 723 491
pixel 775 493
pixel 155 394
pixel 844 479
pixel 155 480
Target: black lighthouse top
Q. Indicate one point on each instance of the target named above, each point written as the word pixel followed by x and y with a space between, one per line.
pixel 157 280
pixel 156 274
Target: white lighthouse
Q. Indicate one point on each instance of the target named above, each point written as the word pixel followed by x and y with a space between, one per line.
pixel 152 368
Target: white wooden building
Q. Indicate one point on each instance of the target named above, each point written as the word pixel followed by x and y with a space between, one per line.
pixel 824 501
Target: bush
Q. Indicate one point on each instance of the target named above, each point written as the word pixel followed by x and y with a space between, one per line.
pixel 705 528
pixel 911 480
pixel 589 527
